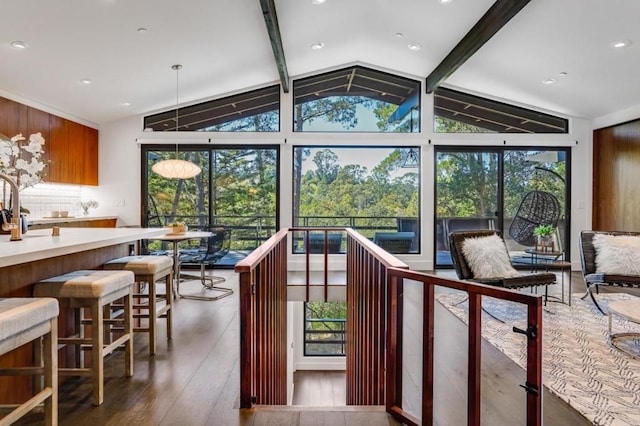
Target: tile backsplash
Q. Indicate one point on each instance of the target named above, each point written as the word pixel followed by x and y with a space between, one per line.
pixel 41 199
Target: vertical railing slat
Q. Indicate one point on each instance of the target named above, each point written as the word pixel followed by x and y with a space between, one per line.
pixel 427 350
pixel 474 359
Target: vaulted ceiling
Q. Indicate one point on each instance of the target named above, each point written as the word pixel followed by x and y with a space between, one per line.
pixel 127 47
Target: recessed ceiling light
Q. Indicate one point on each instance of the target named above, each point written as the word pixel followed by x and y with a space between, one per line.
pixel 445 1
pixel 85 81
pixel 563 74
pixel 142 30
pixel 414 46
pixel 620 44
pixel 399 35
pixel 19 44
pixel 126 104
pixel 317 46
pixel 318 1
pixel 549 80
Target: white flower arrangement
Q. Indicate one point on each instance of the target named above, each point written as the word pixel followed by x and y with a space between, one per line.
pixel 26 169
pixel 88 204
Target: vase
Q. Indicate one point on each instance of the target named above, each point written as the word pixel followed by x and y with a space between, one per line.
pixel 85 211
pixel 544 242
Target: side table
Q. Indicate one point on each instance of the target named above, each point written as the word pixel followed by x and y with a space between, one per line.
pixel 551 260
pixel 629 310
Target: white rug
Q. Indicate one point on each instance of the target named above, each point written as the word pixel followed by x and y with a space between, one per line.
pixel 579 365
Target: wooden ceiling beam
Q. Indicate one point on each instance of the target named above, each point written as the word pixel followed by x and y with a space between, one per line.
pixel 271 21
pixel 491 22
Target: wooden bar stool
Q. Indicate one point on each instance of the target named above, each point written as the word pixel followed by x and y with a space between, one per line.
pixel 93 290
pixel 24 320
pixel 149 269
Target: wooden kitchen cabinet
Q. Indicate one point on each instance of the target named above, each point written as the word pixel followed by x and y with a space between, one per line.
pixel 73 152
pixel 70 150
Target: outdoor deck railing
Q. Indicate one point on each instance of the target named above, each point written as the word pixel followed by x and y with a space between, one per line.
pixel 375 310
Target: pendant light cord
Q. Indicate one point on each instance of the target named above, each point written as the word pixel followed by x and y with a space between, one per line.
pixel 177 68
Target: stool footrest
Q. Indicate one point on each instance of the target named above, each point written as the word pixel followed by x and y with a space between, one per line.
pixel 75 371
pixel 22 371
pixel 20 410
pixel 116 343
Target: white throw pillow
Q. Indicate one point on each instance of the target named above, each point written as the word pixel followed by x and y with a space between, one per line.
pixel 488 257
pixel 617 254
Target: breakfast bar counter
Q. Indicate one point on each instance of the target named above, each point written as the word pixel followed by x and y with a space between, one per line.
pixel 40 244
pixel 40 255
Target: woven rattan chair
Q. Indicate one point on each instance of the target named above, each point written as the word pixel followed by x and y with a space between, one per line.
pixel 592 278
pixel 464 272
pixel 536 208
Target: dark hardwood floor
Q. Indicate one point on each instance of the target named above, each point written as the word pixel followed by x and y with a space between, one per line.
pixel 194 380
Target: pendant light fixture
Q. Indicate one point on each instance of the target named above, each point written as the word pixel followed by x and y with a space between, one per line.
pixel 176 168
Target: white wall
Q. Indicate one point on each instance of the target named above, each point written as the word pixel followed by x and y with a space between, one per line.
pixel 618 117
pixel 120 165
pixel 119 158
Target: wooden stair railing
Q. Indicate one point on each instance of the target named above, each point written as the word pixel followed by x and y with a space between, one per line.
pixel 367 266
pixel 533 384
pixel 375 282
pixel 263 323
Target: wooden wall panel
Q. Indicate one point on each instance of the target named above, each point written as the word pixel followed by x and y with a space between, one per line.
pixel 616 173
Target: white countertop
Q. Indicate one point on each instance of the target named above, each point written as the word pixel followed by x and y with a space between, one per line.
pixel 40 244
pixel 49 220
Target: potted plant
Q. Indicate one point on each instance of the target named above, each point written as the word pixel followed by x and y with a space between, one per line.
pixel 543 235
pixel 178 227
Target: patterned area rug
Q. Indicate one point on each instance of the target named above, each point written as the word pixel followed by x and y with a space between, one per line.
pixel 579 364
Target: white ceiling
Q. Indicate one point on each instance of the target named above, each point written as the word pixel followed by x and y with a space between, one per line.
pixel 224 48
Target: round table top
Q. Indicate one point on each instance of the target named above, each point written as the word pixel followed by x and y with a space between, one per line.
pixel 179 236
pixel 629 309
pixel 533 250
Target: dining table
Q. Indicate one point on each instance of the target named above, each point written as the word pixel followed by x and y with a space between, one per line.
pixel 175 238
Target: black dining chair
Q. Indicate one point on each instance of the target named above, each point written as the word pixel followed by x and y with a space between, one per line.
pixel 209 252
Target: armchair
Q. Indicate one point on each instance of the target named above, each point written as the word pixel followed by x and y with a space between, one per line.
pixel 465 271
pixel 209 252
pixel 601 275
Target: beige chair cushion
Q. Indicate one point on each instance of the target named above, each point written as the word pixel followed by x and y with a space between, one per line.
pixel 18 315
pixel 141 265
pixel 84 284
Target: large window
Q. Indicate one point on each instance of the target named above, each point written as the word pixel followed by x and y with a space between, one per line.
pixel 458 112
pixel 255 111
pixel 325 328
pixel 372 189
pixel 356 99
pixel 508 189
pixel 237 188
